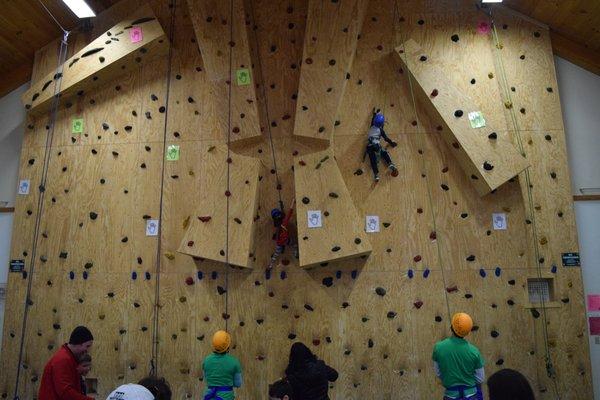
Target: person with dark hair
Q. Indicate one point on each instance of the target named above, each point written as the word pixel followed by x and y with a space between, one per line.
pixel 60 380
pixel 458 363
pixel 280 390
pixel 83 368
pixel 508 384
pixel 149 388
pixel 308 376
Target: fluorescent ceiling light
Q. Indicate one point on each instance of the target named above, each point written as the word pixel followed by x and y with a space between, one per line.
pixel 484 1
pixel 80 8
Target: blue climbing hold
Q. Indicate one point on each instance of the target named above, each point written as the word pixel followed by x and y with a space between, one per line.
pixel 282 275
pixel 482 273
pixel 214 275
pixel 85 274
pixel 200 275
pixel 338 274
pixel 147 276
pixel 354 274
pixel 426 273
pixel 268 274
pixel 72 275
pixel 134 275
pixel 410 273
pixel 553 269
pixel 498 271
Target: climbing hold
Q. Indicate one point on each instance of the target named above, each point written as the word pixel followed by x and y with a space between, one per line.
pixel 147 276
pixel 468 296
pixel 309 307
pixel 354 274
pixel 380 291
pixel 493 136
pixel 124 239
pixel 328 281
pixel 305 200
pixel 189 281
pixel 134 275
pixel 452 289
pixel 338 274
pixel 391 314
pixel 423 58
pixel 553 269
pixel 471 258
pixel 426 273
pixel 169 255
pixel 458 113
pixel 282 275
pixel 71 275
pixel 438 318
pixel 444 187
pixel 63 254
pixel 411 274
pixel 221 290
pixel 418 304
pixel 333 195
pixel 510 302
pixel 494 334
pixel 88 265
pixel 336 248
pixel 482 273
pixel 358 172
pixel 498 271
pixel 417 258
pixel 511 282
pixel 93 215
pixel 205 218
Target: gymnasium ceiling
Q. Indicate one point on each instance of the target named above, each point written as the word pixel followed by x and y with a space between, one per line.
pixel 25 27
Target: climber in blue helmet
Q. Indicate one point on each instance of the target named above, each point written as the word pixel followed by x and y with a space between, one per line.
pixel 374 149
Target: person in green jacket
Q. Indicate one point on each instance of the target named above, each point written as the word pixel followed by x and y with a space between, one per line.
pixel 458 363
pixel 222 371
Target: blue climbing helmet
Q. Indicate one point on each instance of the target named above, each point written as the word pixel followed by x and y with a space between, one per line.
pixel 276 213
pixel 378 120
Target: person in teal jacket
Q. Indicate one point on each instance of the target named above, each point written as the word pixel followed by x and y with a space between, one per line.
pixel 222 371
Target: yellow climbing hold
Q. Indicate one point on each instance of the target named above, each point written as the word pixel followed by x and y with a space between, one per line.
pixel 169 255
pixel 508 104
pixel 186 222
pixel 491 75
pixel 543 240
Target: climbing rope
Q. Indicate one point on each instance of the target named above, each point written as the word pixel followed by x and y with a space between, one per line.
pixel 62 55
pixel 155 322
pixel 266 105
pixel 505 87
pixel 420 134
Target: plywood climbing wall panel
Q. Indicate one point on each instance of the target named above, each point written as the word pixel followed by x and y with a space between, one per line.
pixel 375 319
pixel 134 41
pixel 222 227
pixel 222 33
pixel 320 189
pixel 332 32
pixel 487 161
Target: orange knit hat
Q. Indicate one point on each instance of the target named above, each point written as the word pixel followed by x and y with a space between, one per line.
pixel 462 324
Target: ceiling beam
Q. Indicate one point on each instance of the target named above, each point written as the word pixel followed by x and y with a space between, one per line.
pixel 576 53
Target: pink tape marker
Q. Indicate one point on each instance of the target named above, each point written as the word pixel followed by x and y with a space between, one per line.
pixel 135 34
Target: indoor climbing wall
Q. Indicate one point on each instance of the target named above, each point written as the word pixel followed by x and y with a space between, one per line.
pixel 112 231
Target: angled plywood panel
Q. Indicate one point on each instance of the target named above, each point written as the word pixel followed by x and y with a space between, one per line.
pixel 320 186
pixel 114 53
pixel 487 158
pixel 222 33
pixel 332 31
pixel 222 228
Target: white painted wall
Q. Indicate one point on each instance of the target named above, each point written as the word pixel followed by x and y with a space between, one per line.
pixel 12 116
pixel 580 100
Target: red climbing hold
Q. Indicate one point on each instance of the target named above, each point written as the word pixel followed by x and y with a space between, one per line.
pixel 433 236
pixel 452 289
pixel 227 193
pixel 417 258
pixel 301 162
pixel 229 160
pixel 190 243
pixel 434 92
pixel 395 172
pixel 418 304
pixel 316 342
pixel 189 281
pixel 204 219
pixel 285 261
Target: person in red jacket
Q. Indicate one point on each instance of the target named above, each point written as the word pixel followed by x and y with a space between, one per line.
pixel 60 380
pixel 282 235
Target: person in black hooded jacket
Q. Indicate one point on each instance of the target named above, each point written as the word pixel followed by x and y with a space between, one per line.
pixel 308 375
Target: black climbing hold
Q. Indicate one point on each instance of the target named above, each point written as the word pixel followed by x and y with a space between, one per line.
pixel 444 186
pixel 124 240
pixel 56 326
pixel 336 248
pixel 493 136
pixel 494 334
pixel 358 172
pixel 31 161
pixel 420 22
pixel 63 254
pixel 471 258
pixel 380 291
pixel 536 34
pixel 549 89
pixel 333 195
pixel 473 81
pixel 423 58
pixel 328 281
pixel 468 296
pixel 535 313
pixel 305 200
pixel 438 318
pixel 487 166
pixel 128 128
pixel 370 343
pixel 161 109
pixel 93 215
pixel 332 62
pixel 458 113
pixel 309 307
pixel 510 302
pixel 90 52
pixel 511 282
pixel 454 38
pixel 221 290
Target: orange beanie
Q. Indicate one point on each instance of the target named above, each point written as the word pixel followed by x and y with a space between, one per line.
pixel 221 341
pixel 462 324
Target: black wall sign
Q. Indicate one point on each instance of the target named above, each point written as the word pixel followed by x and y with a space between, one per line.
pixel 571 260
pixel 17 265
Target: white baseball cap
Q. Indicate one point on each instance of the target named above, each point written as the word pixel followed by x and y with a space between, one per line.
pixel 130 391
